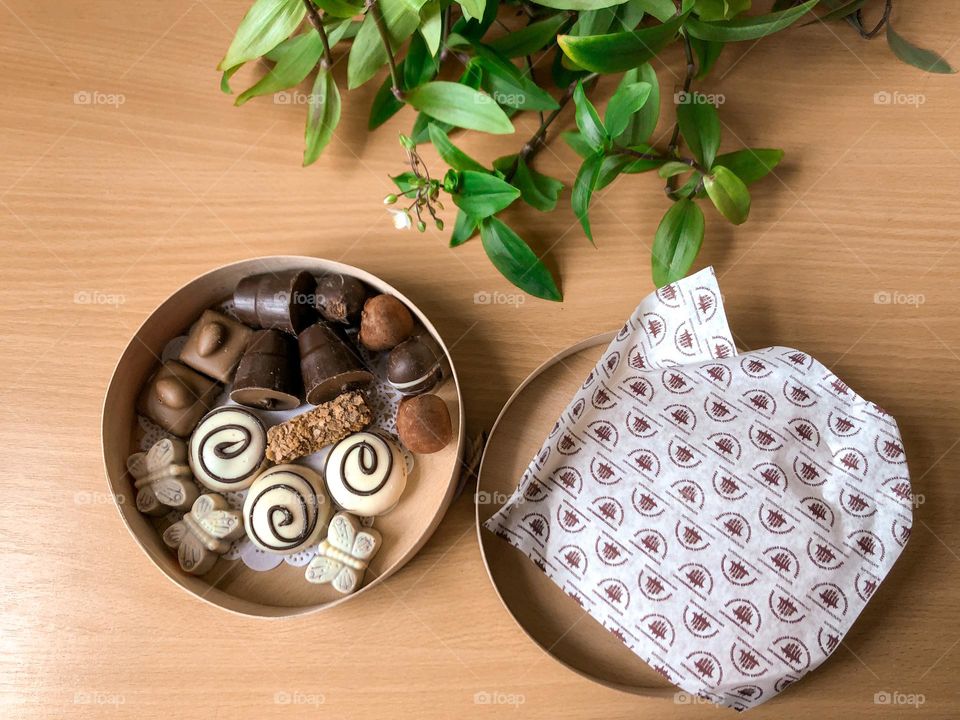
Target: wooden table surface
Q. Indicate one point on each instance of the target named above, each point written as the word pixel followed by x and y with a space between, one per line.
pixel 107 206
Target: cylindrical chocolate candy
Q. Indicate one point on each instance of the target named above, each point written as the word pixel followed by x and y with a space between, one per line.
pixel 416 365
pixel 268 376
pixel 328 363
pixel 340 298
pixel 282 300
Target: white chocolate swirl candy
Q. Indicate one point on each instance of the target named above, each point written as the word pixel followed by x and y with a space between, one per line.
pixel 286 509
pixel 227 449
pixel 366 473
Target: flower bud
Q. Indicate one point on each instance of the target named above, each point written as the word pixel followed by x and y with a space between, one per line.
pixel 390 199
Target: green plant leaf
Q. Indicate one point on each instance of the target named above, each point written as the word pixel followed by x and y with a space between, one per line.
pixel 838 13
pixel 748 28
pixel 451 154
pixel 339 8
pixel 537 190
pixel 225 79
pixel 750 164
pixel 266 24
pixel 298 58
pixel 728 193
pixel 583 188
pixel 707 52
pixel 627 100
pixel 700 127
pixel 323 114
pixel 594 22
pixel 431 25
pixel 507 85
pixel 529 39
pixel 588 121
pixel 472 9
pixel 642 123
pixel 671 168
pixel 480 194
pixel 720 9
pixel 475 28
pixel 516 261
pixel 460 106
pixel 419 66
pixel 579 4
pixel 662 10
pixel 677 242
pixel 384 106
pixel 620 51
pixel 464 228
pixel 578 143
pixel 622 163
pixel 630 14
pixel 926 60
pixel 405 181
pixel 367 55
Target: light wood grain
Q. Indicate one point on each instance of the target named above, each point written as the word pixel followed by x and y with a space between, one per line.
pixel 135 200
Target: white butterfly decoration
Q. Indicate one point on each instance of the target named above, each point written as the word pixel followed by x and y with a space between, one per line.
pixel 162 478
pixel 343 557
pixel 204 534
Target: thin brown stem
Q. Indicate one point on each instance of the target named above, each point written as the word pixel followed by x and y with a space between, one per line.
pixel 538 140
pixel 317 22
pixel 374 8
pixel 884 19
pixel 694 165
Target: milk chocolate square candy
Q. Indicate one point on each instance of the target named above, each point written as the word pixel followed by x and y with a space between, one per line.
pixel 215 345
pixel 176 397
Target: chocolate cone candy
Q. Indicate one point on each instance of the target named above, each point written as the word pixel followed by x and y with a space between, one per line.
pixel 268 376
pixel 328 363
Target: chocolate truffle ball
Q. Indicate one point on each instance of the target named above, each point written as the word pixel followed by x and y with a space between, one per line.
pixel 340 298
pixel 413 368
pixel 423 424
pixel 384 323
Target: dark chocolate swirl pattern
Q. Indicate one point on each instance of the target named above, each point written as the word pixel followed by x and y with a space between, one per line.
pixel 362 466
pixel 227 448
pixel 283 510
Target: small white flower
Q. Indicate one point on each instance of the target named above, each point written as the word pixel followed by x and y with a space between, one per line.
pixel 401 219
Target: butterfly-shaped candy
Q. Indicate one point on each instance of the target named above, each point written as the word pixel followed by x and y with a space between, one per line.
pixel 204 534
pixel 162 478
pixel 343 557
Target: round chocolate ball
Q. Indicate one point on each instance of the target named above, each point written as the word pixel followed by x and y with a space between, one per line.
pixel 412 368
pixel 384 323
pixel 423 424
pixel 340 298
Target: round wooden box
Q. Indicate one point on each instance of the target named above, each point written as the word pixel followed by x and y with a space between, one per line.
pixel 543 610
pixel 283 591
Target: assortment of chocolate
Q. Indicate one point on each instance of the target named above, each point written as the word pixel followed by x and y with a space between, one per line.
pixel 293 339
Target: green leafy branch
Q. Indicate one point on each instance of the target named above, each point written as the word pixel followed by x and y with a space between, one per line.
pixel 451 63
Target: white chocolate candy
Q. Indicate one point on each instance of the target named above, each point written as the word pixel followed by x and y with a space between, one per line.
pixel 366 473
pixel 227 449
pixel 286 509
pixel 343 557
pixel 162 478
pixel 204 534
